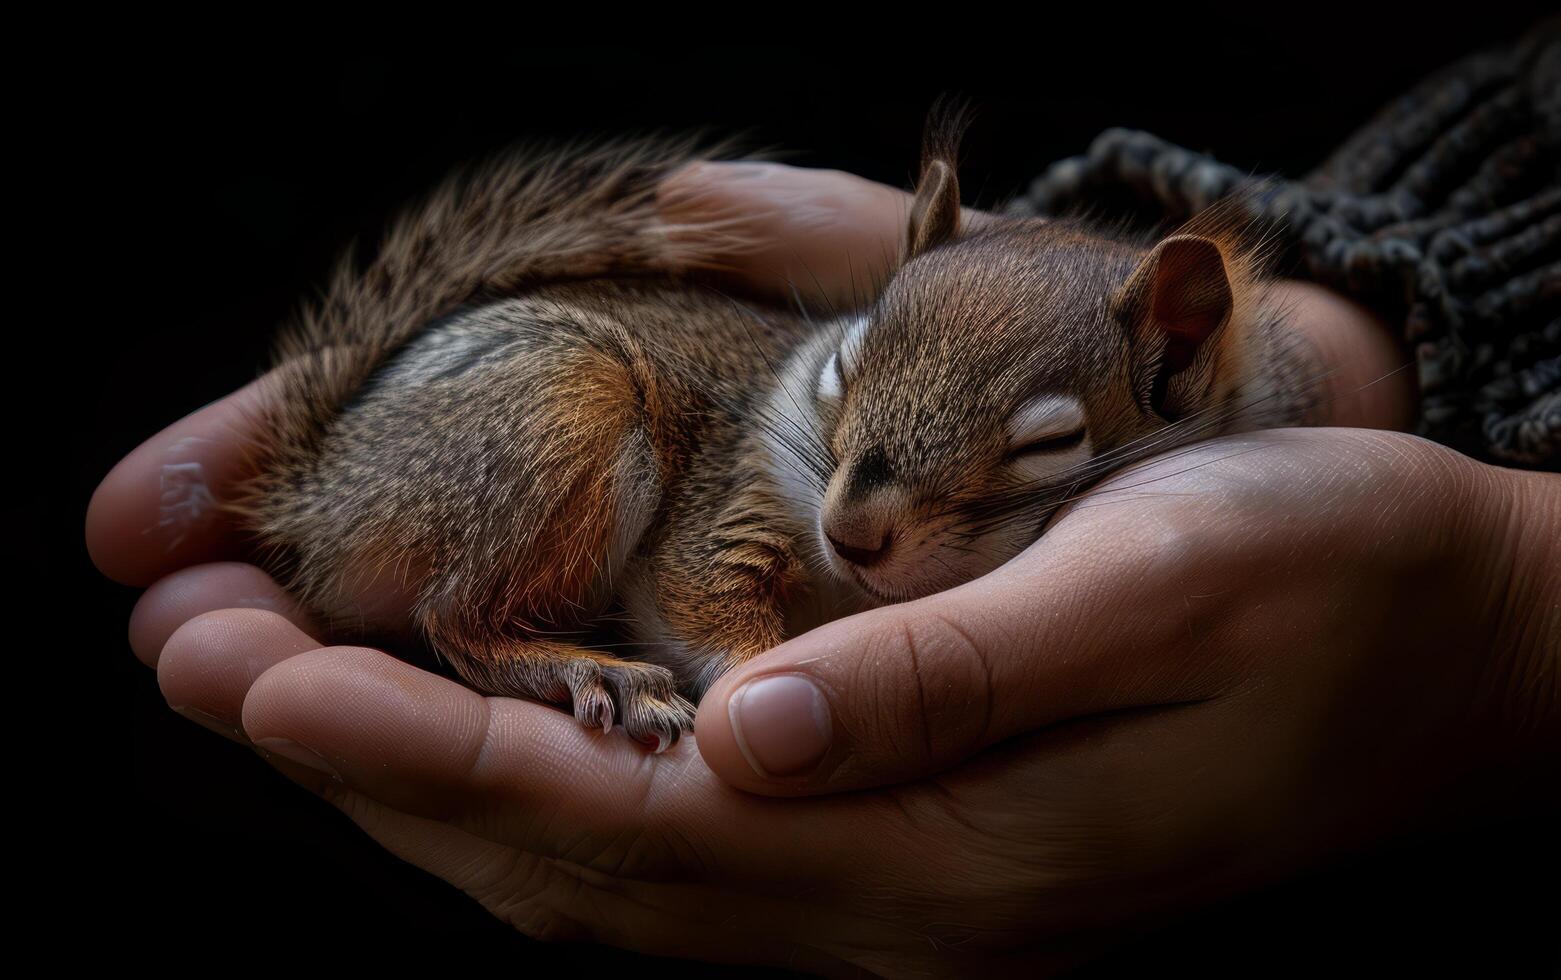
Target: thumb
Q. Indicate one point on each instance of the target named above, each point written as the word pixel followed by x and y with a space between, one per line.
pixel 900 692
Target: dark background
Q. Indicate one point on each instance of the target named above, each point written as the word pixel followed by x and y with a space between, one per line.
pixel 241 174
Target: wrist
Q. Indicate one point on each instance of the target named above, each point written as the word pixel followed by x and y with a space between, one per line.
pixel 1501 619
pixel 1526 611
pixel 1476 735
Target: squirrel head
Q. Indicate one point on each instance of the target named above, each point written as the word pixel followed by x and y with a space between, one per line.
pixel 1003 369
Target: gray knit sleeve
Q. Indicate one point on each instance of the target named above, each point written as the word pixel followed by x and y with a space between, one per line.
pixel 1443 213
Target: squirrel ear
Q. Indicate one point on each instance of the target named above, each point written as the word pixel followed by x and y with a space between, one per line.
pixel 935 210
pixel 1177 301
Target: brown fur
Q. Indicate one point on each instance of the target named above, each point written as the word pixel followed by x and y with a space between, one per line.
pixel 522 414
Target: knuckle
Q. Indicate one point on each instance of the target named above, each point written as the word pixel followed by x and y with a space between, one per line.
pixel 934 687
pixel 959 689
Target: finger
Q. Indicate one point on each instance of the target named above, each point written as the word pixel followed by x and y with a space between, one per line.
pixel 527 775
pixel 828 234
pixel 158 510
pixel 1095 616
pixel 175 600
pixel 830 237
pixel 209 663
pixel 1364 378
pixel 433 748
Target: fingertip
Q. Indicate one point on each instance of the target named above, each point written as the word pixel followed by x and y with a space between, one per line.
pixel 176 599
pixel 717 743
pixel 159 509
pixel 827 235
pixel 1361 363
pixel 770 727
pixel 210 662
pixel 363 703
pixel 406 737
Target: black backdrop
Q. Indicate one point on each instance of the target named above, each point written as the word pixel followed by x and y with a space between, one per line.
pixel 242 173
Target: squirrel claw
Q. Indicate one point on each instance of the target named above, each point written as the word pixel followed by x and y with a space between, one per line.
pixel 641 696
pixel 658 722
pixel 594 707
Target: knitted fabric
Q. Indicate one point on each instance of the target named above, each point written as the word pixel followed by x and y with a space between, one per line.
pixel 1443 214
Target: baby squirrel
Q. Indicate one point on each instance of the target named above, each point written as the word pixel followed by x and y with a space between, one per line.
pixel 528 415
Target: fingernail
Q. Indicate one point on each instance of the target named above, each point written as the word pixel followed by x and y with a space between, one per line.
pixel 291 750
pixel 782 725
pixel 207 720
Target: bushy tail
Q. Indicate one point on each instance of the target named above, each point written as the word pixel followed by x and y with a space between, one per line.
pixel 515 222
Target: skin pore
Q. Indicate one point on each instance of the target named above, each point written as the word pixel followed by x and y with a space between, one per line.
pixel 1173 695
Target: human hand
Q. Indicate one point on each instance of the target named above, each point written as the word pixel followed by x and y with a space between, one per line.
pixel 1124 769
pixel 1001 845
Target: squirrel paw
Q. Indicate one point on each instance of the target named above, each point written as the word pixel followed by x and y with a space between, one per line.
pixel 602 690
pixel 642 697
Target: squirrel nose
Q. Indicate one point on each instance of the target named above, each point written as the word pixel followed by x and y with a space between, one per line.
pixel 857 554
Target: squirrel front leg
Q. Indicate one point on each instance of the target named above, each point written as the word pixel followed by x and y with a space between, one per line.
pixel 715 590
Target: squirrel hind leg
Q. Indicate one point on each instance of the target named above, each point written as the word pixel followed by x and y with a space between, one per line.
pixel 602 690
